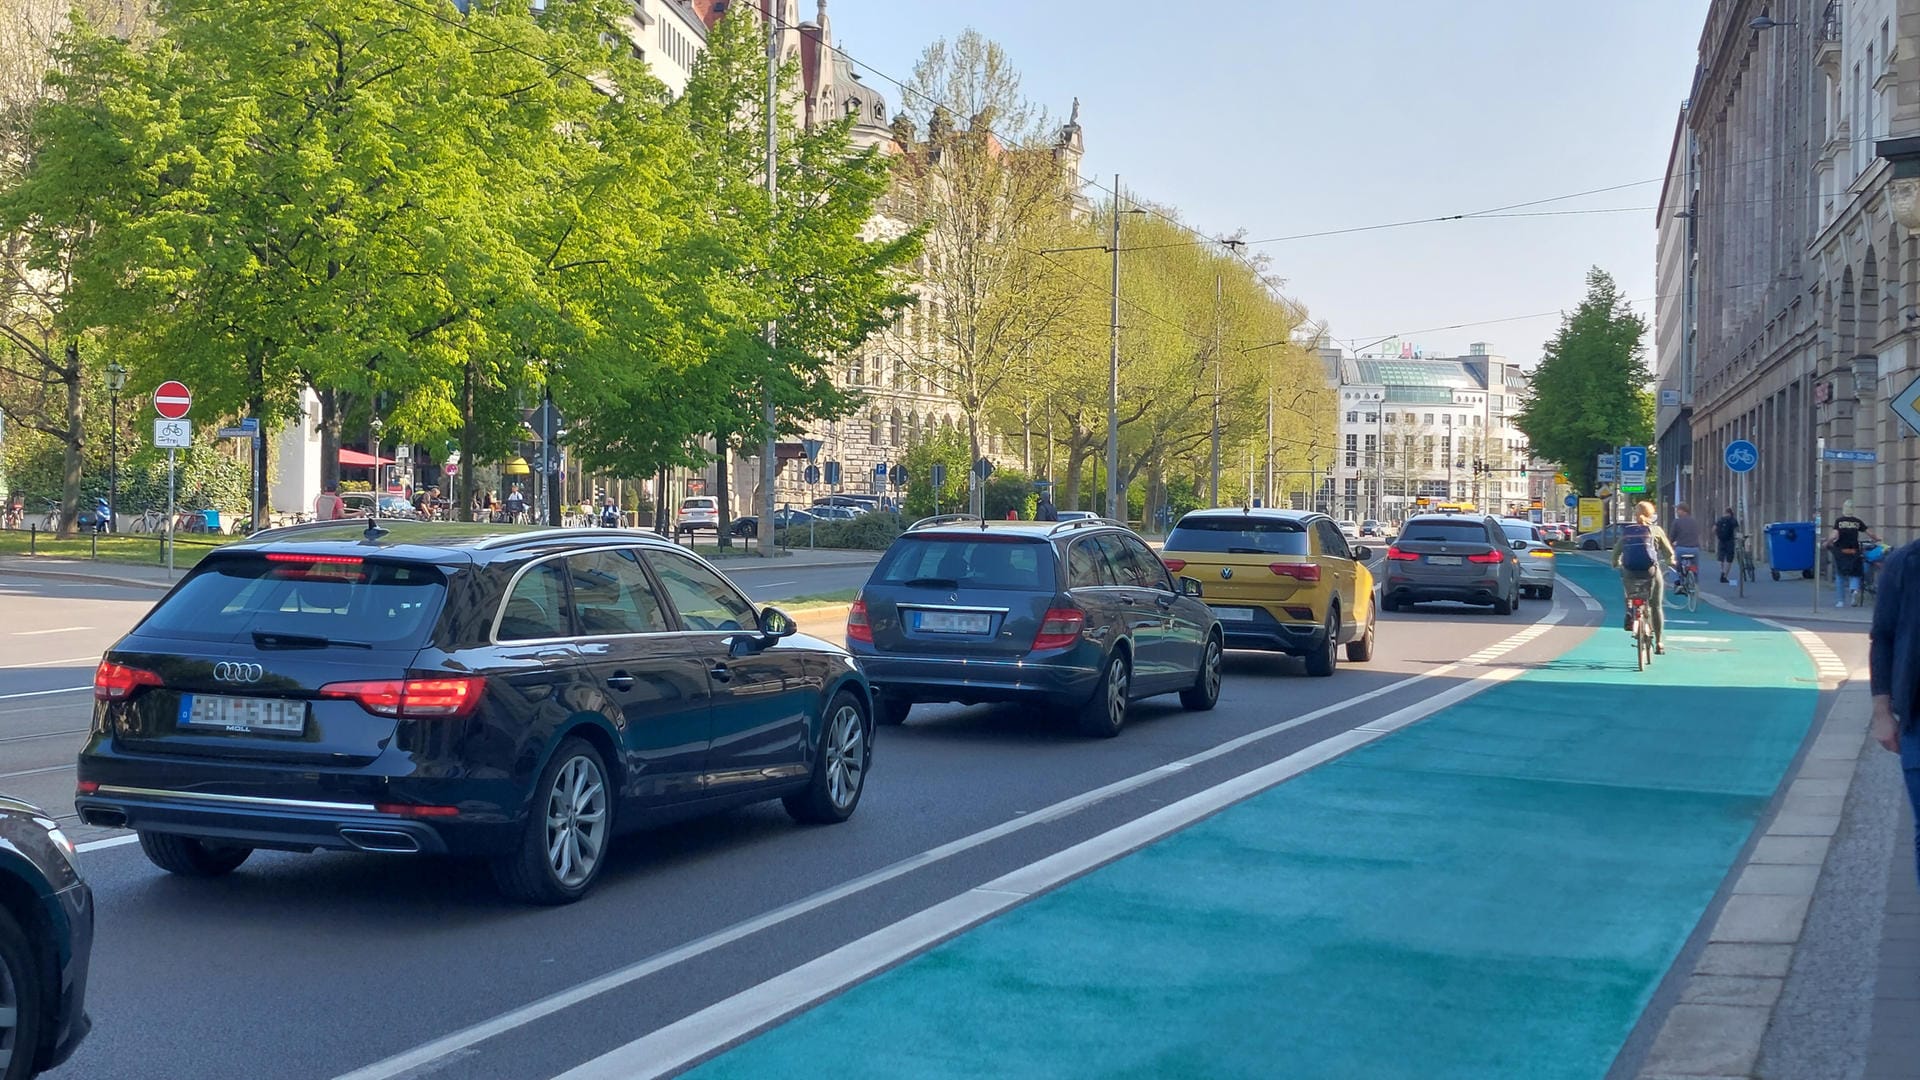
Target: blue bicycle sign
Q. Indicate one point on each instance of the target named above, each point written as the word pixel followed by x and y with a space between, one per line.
pixel 1742 456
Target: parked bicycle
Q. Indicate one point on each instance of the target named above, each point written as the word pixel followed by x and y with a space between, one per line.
pixel 151 520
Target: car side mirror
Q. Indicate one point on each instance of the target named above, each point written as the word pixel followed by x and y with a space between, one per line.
pixel 776 624
pixel 1189 586
pixel 1362 553
pixel 1519 545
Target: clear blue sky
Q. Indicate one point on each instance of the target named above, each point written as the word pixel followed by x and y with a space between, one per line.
pixel 1292 116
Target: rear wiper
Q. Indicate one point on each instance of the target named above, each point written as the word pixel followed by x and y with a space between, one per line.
pixel 932 583
pixel 263 639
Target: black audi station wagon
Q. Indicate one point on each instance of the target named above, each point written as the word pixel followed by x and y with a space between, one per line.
pixel 516 694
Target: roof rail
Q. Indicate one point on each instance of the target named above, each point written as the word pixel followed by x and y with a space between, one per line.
pixel 943 519
pixel 549 534
pixel 299 526
pixel 1081 523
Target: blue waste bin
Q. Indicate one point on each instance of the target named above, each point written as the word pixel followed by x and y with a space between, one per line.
pixel 1790 548
pixel 212 518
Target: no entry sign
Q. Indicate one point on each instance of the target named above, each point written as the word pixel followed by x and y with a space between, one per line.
pixel 172 399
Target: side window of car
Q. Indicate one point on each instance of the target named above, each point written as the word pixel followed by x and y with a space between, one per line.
pixel 1331 541
pixel 1086 566
pixel 537 606
pixel 1118 569
pixel 703 598
pixel 1148 571
pixel 612 594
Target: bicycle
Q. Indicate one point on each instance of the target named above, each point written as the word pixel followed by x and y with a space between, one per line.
pixel 1688 584
pixel 16 514
pixel 1745 552
pixel 51 521
pixel 1642 622
pixel 151 520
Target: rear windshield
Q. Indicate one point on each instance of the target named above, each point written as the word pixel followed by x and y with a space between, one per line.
pixel 1239 536
pixel 1452 532
pixel 699 504
pixel 969 563
pixel 1519 530
pixel 363 603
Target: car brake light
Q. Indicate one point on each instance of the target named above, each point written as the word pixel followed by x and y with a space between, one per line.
pixel 412 699
pixel 1175 565
pixel 1488 557
pixel 316 560
pixel 116 682
pixel 1296 571
pixel 1059 628
pixel 1396 555
pixel 858 628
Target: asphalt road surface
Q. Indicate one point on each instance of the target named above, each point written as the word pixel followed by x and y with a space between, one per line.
pixel 350 965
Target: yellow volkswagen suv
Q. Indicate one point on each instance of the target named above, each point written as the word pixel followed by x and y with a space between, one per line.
pixel 1281 580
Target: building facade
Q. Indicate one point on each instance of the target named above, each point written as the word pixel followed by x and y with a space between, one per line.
pixel 1412 428
pixel 1806 312
pixel 1673 318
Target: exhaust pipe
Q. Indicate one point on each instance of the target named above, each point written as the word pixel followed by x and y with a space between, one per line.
pixel 104 818
pixel 380 840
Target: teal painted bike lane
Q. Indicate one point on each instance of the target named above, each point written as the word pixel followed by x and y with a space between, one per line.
pixel 1493 892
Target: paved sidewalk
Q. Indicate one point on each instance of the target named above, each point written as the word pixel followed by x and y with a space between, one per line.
pixel 1893 1051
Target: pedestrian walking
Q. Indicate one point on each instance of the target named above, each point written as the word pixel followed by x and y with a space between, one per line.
pixel 1894 667
pixel 1725 531
pixel 1847 542
pixel 329 506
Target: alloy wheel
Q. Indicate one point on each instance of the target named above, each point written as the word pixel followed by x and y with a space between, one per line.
pixel 9 1016
pixel 576 822
pixel 1117 692
pixel 1212 663
pixel 846 751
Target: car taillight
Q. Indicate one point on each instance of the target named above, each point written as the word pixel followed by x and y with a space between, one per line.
pixel 1541 553
pixel 858 628
pixel 1488 557
pixel 117 682
pixel 1296 571
pixel 1396 555
pixel 314 560
pixel 87 787
pixel 412 699
pixel 416 809
pixel 1175 565
pixel 1059 628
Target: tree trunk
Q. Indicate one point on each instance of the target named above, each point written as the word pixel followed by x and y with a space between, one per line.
pixel 257 407
pixel 1156 493
pixel 75 443
pixel 1076 463
pixel 329 441
pixel 722 491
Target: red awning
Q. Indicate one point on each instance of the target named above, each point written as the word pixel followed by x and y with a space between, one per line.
pixel 360 459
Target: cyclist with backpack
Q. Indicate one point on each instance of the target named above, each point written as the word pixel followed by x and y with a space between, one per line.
pixel 1638 554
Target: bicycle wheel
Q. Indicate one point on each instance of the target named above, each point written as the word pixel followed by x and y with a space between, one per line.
pixel 1693 591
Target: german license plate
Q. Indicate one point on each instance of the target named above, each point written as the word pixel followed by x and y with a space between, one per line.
pixel 1233 614
pixel 1444 560
pixel 275 716
pixel 952 622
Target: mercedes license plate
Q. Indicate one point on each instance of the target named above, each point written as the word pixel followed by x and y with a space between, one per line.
pixel 952 622
pixel 276 716
pixel 1444 560
pixel 1233 614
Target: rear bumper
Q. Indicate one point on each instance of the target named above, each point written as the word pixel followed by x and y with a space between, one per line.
pixel 942 678
pixel 1264 631
pixel 1538 578
pixel 1402 590
pixel 289 824
pixel 74 907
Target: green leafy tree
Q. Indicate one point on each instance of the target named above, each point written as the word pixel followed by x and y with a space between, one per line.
pixel 1589 394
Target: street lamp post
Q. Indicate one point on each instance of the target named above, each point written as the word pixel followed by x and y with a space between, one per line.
pixel 116 382
pixel 374 427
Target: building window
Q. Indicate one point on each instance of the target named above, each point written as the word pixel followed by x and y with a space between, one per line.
pixel 1429 420
pixel 1353 418
pixel 1353 442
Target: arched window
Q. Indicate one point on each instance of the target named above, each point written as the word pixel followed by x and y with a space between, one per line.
pixel 873 427
pixel 879 114
pixel 897 430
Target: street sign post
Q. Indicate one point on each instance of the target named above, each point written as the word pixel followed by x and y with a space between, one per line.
pixel 1906 406
pixel 812 448
pixel 899 476
pixel 1633 470
pixel 173 435
pixel 1742 457
pixel 1590 514
pixel 812 475
pixel 1573 501
pixel 1868 456
pixel 937 475
pixel 833 474
pixel 1607 468
pixel 172 399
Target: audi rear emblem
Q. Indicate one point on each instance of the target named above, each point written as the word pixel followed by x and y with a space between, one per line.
pixel 237 671
pixel 1226 571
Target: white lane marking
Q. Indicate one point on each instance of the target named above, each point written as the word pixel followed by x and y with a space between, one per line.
pixel 1699 639
pixel 1586 598
pixel 91 658
pixel 37 772
pixel 44 693
pixel 694 1037
pixel 1688 622
pixel 1827 665
pixel 53 630
pixel 111 841
pixel 427 1053
pixel 42 735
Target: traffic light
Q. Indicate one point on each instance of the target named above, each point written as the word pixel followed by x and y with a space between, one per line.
pixel 1523 470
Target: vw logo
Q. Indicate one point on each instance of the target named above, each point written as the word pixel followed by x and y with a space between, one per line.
pixel 1226 571
pixel 236 671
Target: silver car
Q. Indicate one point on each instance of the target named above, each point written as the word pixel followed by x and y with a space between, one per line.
pixel 1461 557
pixel 1530 543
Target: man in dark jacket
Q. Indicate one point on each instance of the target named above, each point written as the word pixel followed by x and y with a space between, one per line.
pixel 1895 666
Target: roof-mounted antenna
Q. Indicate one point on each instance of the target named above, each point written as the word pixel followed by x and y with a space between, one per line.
pixel 374 531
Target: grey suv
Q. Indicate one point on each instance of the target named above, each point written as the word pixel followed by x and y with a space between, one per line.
pixel 1076 615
